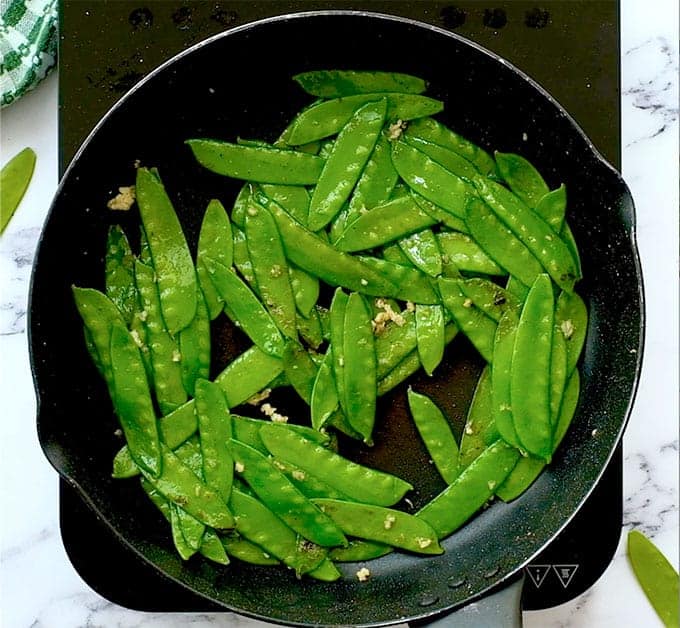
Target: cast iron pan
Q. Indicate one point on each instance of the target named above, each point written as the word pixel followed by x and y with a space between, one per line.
pixel 239 83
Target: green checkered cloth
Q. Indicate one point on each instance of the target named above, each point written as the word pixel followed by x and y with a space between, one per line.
pixel 28 45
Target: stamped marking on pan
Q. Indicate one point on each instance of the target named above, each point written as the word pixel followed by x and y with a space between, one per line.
pixel 537 573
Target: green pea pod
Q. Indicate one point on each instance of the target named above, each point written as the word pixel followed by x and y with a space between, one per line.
pixel 194 345
pixel 395 342
pixel 249 313
pixel 351 151
pixel 430 179
pixel 384 223
pixel 270 268
pixel 430 129
pixel 300 370
pixel 247 431
pixel 310 329
pixel 500 243
pixel 422 250
pixel 242 262
pixel 461 499
pixel 15 176
pixel 451 160
pixel 656 576
pixel 430 335
pixel 552 207
pixel 327 117
pixel 306 289
pixel 439 214
pixel 465 255
pixel 257 163
pixel 571 318
pixel 392 253
pixel 179 484
pixel 337 343
pixel 324 400
pixel 132 402
pixel 212 548
pixel 309 485
pixel 172 262
pixel 358 482
pixel 181 545
pixel 414 285
pixel 501 378
pixel 493 300
pixel 215 430
pixel 384 525
pixel 522 177
pixel 548 248
pixel 260 525
pixel 530 378
pixel 214 240
pixel 529 468
pixel 376 182
pixel 338 83
pixel 191 528
pixel 313 254
pixel 558 373
pixel 478 328
pixel 359 550
pixel 164 350
pixel 240 548
pixel 435 432
pixel 120 272
pixel 293 198
pixel 360 369
pixel 277 492
pixel 480 429
pixel 244 377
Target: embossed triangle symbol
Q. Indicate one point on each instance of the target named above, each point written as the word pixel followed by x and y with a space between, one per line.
pixel 537 573
pixel 565 573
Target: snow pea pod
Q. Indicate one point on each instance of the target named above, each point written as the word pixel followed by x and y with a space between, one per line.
pixel 342 169
pixel 191 528
pixel 309 485
pixel 327 117
pixel 293 198
pixel 306 289
pixel 360 372
pixel 164 350
pixel 258 524
pixel 422 250
pixel 300 370
pixel 132 402
pixel 430 335
pixel 384 525
pixel 313 254
pixel 212 548
pixel 384 223
pixel 428 128
pixel 214 430
pixel 337 83
pixel 172 262
pixel 270 268
pixel 530 377
pixel 479 328
pixel 461 499
pixel 257 163
pixel 480 429
pixel 430 179
pixel 435 432
pixel 324 400
pixel 489 297
pixel 337 344
pixel 500 243
pixel 522 177
pixel 465 255
pixel 249 313
pixel 360 483
pixel 310 328
pixel 413 285
pixel 183 547
pixel 359 550
pixel 277 493
pixel 548 248
pixel 194 345
pixel 529 468
pixel 15 176
pixel 245 376
pixel 451 160
pixel 240 548
pixel 439 214
pixel 571 318
pixel 214 240
pixel 179 484
pixel 552 207
pixel 119 272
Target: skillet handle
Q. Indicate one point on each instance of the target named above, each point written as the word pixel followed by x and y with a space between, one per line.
pixel 501 609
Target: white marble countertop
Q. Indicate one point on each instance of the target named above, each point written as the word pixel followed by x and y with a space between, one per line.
pixel 41 589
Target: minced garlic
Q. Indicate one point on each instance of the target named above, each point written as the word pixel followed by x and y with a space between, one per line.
pixel 124 199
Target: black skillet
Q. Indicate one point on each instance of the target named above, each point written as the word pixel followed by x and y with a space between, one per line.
pixel 239 84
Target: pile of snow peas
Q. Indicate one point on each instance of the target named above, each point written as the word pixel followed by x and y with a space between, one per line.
pixel 363 240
